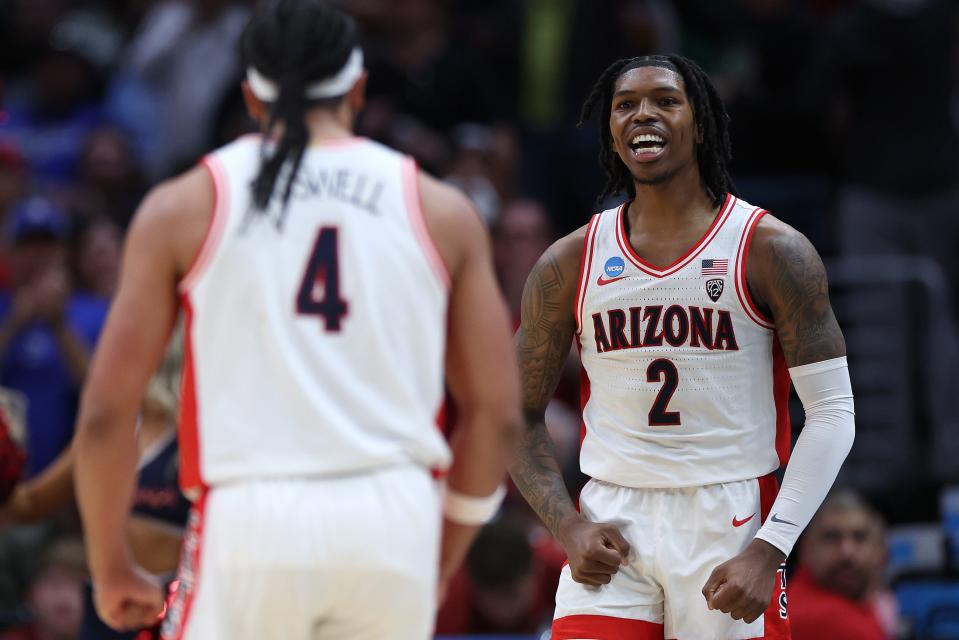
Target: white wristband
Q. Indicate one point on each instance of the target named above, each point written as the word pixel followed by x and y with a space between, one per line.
pixel 470 510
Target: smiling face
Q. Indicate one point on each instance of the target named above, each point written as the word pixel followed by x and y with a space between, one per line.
pixel 652 124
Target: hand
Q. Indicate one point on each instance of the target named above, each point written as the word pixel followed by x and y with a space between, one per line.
pixel 52 289
pixel 129 600
pixel 595 550
pixel 743 586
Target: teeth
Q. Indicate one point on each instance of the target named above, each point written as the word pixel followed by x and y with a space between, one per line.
pixel 647 137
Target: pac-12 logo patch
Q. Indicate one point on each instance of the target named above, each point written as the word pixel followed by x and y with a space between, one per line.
pixel 614 267
pixel 714 288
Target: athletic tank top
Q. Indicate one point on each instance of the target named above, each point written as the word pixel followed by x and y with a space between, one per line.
pixel 315 337
pixel 683 381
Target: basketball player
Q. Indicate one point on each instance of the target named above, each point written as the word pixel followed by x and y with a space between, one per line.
pixel 688 305
pixel 327 285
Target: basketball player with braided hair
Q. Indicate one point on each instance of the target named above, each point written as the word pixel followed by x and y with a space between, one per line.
pixel 692 310
pixel 330 288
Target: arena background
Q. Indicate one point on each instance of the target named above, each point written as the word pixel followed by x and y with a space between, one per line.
pixel 844 124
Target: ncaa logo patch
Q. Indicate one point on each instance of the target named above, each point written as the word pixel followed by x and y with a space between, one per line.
pixel 614 267
pixel 714 288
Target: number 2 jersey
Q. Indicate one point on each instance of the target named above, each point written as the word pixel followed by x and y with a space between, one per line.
pixel 315 336
pixel 683 380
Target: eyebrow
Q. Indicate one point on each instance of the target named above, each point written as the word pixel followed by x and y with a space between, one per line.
pixel 659 89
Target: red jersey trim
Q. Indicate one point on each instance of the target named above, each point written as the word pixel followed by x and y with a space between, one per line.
pixel 191 478
pixel 742 286
pixel 188 575
pixel 414 209
pixel 606 627
pixel 585 267
pixel 216 225
pixel 686 258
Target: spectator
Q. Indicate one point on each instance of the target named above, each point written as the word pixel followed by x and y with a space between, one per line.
pixel 520 236
pixel 46 332
pixel 174 35
pixel 96 257
pixel 837 591
pixel 507 585
pixel 471 168
pixel 14 179
pixel 55 596
pixel 60 100
pixel 109 179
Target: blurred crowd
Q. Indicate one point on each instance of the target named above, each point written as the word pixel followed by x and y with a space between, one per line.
pixel 844 123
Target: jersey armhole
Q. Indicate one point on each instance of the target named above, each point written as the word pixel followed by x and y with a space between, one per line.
pixel 414 209
pixel 742 285
pixel 585 267
pixel 215 227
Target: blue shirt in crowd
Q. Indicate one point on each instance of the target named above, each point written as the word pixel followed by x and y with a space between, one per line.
pixel 34 365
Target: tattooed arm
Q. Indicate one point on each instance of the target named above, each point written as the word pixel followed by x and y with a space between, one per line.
pixel 787 279
pixel 595 550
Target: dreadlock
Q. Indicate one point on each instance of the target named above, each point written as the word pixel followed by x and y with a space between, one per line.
pixel 293 43
pixel 710 116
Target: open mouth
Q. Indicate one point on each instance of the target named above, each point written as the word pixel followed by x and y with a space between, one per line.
pixel 647 146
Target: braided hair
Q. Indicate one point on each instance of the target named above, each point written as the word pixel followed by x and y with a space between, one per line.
pixel 709 114
pixel 293 43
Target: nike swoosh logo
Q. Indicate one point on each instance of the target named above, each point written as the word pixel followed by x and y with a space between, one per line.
pixel 739 523
pixel 776 518
pixel 603 283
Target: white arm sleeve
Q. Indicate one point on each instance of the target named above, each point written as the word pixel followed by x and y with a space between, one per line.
pixel 826 439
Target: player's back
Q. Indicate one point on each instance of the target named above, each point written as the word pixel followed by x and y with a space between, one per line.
pixel 315 333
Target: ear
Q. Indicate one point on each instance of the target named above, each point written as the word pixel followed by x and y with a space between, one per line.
pixel 254 106
pixel 356 98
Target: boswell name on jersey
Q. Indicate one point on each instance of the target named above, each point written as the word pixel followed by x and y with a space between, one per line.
pixel 677 326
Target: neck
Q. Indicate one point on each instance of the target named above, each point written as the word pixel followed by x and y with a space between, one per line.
pixel 324 124
pixel 672 203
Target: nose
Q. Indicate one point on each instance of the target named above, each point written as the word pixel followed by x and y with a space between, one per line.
pixel 848 547
pixel 644 111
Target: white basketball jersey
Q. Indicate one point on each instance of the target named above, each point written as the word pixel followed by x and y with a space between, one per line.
pixel 315 338
pixel 684 383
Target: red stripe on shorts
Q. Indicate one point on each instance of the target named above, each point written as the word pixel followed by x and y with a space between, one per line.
pixel 605 628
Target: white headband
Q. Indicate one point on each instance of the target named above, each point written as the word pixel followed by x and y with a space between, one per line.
pixel 336 85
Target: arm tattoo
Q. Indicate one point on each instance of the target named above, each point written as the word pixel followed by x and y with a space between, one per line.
pixel 542 345
pixel 807 327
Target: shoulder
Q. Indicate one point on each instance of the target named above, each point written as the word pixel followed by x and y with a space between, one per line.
pixel 772 234
pixel 777 253
pixel 452 221
pixel 175 215
pixel 567 252
pixel 178 199
pixel 556 274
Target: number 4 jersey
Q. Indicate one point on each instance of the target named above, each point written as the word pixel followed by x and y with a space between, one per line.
pixel 683 381
pixel 316 334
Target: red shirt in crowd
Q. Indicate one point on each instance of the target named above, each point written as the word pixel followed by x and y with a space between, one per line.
pixel 816 613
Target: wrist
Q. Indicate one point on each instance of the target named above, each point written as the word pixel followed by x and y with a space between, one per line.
pixel 566 524
pixel 772 555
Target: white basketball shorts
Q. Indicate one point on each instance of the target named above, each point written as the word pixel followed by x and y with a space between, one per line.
pixel 311 559
pixel 678 536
